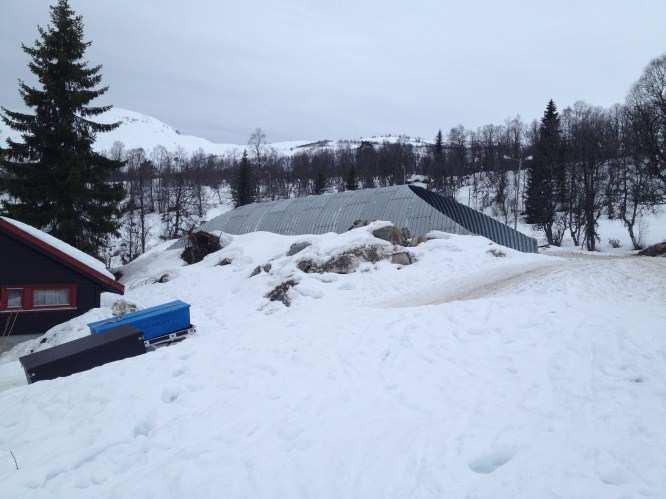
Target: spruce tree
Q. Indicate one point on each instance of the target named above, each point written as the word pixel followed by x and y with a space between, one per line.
pixel 351 179
pixel 55 181
pixel 320 183
pixel 243 188
pixel 545 175
pixel 438 161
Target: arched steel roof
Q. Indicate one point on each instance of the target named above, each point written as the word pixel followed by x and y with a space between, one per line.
pixel 408 206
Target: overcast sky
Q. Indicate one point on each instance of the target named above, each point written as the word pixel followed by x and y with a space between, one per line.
pixel 333 69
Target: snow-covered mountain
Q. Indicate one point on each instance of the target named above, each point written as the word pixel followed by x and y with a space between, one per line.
pixel 140 130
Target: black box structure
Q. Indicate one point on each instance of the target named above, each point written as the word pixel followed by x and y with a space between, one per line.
pixel 84 353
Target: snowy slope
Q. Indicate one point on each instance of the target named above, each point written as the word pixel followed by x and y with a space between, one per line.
pixel 142 131
pixel 464 374
pixel 375 140
pixel 139 130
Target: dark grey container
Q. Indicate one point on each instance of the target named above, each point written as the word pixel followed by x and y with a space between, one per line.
pixel 84 353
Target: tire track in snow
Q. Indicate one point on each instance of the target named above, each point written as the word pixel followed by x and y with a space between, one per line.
pixel 477 286
pixel 570 268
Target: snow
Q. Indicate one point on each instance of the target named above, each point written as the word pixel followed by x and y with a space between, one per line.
pixel 477 371
pixel 139 130
pixel 652 228
pixel 651 225
pixel 62 246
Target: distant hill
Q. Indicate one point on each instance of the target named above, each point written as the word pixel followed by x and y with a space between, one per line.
pixel 140 130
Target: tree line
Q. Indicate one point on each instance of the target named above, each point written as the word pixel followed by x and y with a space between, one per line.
pixel 561 173
pixel 589 162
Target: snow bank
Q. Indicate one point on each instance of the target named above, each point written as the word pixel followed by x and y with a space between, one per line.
pixel 523 376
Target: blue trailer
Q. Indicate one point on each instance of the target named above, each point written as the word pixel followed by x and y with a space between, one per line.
pixel 164 323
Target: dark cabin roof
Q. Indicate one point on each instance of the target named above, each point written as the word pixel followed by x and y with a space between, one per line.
pixel 61 252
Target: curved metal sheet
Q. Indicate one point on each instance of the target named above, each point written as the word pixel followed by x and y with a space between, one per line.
pixel 414 208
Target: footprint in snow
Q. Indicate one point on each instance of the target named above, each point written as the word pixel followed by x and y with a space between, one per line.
pixel 490 462
pixel 614 476
pixel 170 395
pixel 143 429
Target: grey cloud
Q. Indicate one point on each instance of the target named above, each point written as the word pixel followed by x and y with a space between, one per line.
pixel 328 69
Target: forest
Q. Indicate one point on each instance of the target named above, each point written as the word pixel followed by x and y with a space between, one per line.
pixel 560 173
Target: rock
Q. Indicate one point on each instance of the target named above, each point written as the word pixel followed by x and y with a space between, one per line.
pixel 372 253
pixel 163 278
pixel 122 307
pixel 393 234
pixel 225 261
pixel 297 247
pixel 341 264
pixel 259 268
pixel 658 249
pixel 358 223
pixel 388 233
pixel 199 244
pixel 307 266
pixel 281 292
pixel 346 262
pixel 406 236
pixel 496 252
pixel 402 258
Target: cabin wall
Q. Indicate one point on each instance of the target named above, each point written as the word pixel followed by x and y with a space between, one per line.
pixel 20 264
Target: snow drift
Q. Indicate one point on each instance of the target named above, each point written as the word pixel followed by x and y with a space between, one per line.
pixel 525 376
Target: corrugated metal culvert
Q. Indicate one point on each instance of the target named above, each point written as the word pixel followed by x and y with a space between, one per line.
pixel 408 206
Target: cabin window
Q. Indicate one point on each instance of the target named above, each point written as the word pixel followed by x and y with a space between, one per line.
pixel 27 297
pixel 14 298
pixel 51 297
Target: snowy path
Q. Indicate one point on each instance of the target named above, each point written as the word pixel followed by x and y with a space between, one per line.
pixel 549 382
pixel 477 285
pixel 573 268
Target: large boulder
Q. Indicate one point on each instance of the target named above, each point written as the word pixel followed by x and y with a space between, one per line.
pixel 393 234
pixel 344 263
pixel 658 249
pixel 340 264
pixel 199 244
pixel 402 258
